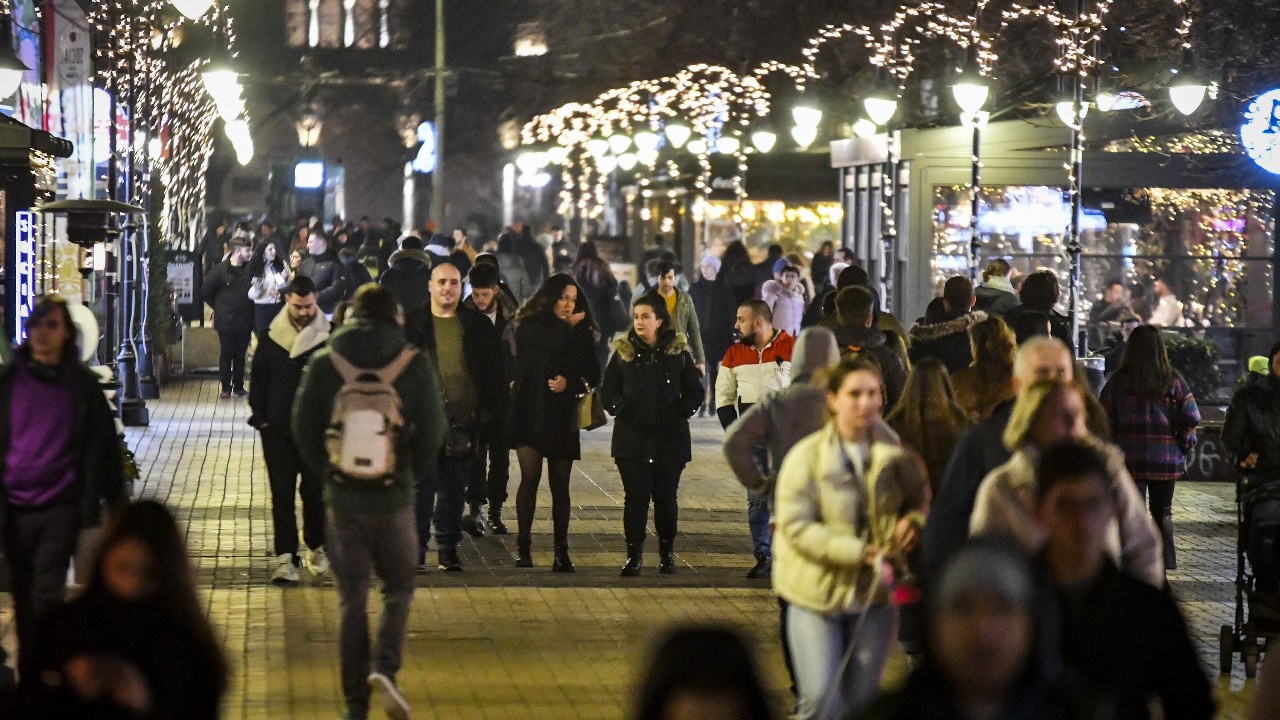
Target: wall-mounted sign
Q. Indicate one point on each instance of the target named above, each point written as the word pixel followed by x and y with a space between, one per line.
pixel 425 162
pixel 308 175
pixel 24 271
pixel 1260 134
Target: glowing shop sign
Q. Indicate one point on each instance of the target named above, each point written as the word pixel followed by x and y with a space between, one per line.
pixel 425 161
pixel 1260 134
pixel 24 271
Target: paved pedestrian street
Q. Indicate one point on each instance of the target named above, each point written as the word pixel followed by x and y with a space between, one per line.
pixel 499 642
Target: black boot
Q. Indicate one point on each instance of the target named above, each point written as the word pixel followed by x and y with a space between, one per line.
pixel 666 557
pixel 496 526
pixel 635 558
pixel 562 563
pixel 1166 535
pixel 449 558
pixel 524 558
pixel 763 569
pixel 473 523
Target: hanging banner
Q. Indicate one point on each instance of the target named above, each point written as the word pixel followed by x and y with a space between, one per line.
pixel 69 63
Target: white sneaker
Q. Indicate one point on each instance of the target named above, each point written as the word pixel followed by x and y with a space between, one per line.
pixel 318 561
pixel 393 702
pixel 287 572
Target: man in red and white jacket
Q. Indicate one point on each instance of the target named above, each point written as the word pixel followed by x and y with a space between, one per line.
pixel 758 364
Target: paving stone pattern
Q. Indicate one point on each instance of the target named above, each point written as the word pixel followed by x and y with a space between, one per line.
pixel 499 642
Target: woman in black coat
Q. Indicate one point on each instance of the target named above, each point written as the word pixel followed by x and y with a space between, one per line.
pixel 599 285
pixel 555 363
pixel 651 386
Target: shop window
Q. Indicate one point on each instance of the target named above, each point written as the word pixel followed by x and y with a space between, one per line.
pixel 1212 248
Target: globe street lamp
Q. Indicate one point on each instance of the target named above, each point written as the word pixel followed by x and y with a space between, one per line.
pixel 764 140
pixel 678 134
pixel 193 9
pixel 881 105
pixel 1187 90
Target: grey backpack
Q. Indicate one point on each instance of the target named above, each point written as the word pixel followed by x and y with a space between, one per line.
pixel 367 422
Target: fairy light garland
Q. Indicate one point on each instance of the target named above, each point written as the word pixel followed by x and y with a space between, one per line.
pixel 169 101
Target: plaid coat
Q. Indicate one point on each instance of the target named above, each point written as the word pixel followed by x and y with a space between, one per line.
pixel 1155 434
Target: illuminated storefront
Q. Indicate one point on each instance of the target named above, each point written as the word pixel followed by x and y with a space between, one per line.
pixel 1191 210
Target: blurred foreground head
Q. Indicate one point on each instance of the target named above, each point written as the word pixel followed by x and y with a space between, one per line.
pixel 702 673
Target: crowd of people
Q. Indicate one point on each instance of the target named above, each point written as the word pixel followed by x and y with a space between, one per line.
pixel 955 486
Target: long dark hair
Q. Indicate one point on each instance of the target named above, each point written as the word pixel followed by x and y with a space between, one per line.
pixel 667 332
pixel 735 257
pixel 149 523
pixel 258 263
pixel 589 267
pixel 705 661
pixel 1144 368
pixel 542 303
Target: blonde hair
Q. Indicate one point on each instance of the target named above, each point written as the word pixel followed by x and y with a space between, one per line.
pixel 1027 408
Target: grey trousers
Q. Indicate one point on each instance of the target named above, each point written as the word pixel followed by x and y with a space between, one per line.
pixel 360 545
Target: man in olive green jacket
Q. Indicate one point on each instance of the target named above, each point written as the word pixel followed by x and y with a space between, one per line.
pixel 371 526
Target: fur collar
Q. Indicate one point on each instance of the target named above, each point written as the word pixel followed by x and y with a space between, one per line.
pixel 926 333
pixel 625 346
pixel 299 342
pixel 411 254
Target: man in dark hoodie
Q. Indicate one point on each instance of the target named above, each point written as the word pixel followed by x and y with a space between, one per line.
pixel 948 340
pixel 409 276
pixel 855 334
pixel 325 270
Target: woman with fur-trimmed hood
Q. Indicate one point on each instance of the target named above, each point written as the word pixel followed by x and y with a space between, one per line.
pixel 651 386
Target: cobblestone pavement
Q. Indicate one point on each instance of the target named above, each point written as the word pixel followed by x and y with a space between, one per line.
pixel 498 642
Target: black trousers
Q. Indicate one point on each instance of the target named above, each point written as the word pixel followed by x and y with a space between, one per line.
pixel 643 481
pixel 1159 497
pixel 263 314
pixel 283 468
pixel 39 544
pixel 232 346
pixel 490 487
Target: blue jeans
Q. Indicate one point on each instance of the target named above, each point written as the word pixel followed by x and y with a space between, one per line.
pixel 819 644
pixel 442 494
pixel 758 517
pixel 360 545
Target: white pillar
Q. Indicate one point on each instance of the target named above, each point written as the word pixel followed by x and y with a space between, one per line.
pixel 410 188
pixel 508 194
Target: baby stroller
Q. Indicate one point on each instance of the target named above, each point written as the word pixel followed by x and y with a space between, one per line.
pixel 1257 617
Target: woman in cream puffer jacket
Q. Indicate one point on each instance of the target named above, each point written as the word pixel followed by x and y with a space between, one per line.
pixel 845 495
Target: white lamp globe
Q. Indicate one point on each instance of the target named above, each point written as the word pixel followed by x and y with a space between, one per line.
pixel 10 81
pixel 728 145
pixel 606 164
pixel 880 108
pixel 627 161
pixel 646 140
pixel 193 9
pixel 1066 110
pixel 1187 92
pixel 970 94
pixel 647 157
pixel 527 162
pixel 558 155
pixel 678 134
pixel 619 143
pixel 806 116
pixel 804 136
pixel 764 140
pixel 865 128
pixel 697 146
pixel 597 147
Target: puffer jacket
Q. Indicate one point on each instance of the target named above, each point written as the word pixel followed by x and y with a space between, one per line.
pixel 226 290
pixel 408 278
pixel 652 391
pixel 785 417
pixel 1252 425
pixel 825 521
pixel 685 321
pixel 948 340
pixel 747 374
pixel 1006 505
pixel 327 273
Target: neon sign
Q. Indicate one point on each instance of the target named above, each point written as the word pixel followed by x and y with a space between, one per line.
pixel 24 271
pixel 1260 134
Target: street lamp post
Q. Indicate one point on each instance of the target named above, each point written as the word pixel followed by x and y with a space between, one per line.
pixel 437 177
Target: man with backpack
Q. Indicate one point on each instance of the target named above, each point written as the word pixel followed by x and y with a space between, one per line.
pixel 369 417
pixel 467 351
pixel 853 327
